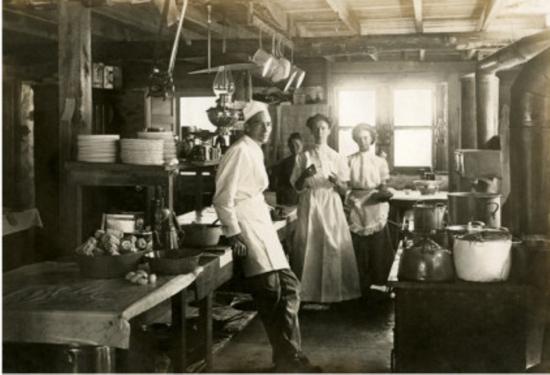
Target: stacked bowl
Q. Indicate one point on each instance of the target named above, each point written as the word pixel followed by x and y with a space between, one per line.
pixel 100 148
pixel 142 151
pixel 169 152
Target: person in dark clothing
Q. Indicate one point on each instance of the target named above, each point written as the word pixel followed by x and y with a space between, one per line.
pixel 286 194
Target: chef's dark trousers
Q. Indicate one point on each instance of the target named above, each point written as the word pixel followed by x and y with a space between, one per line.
pixel 277 298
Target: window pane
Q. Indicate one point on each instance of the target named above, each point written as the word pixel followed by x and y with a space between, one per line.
pixel 355 106
pixel 412 148
pixel 412 107
pixel 193 111
pixel 346 145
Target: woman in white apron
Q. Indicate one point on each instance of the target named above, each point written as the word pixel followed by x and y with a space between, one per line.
pixel 322 255
pixel 369 209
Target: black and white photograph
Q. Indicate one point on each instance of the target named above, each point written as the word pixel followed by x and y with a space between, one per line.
pixel 275 186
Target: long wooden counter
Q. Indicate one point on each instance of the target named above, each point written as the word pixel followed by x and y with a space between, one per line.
pixel 52 303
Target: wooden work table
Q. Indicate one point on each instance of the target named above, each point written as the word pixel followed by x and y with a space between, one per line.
pixel 52 303
pixel 462 326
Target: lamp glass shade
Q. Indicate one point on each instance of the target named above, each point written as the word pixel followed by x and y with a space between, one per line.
pixel 223 82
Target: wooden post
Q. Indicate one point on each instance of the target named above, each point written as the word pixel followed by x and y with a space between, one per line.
pixel 75 74
pixel 75 89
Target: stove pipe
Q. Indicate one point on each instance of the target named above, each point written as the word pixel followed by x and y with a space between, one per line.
pixel 530 145
pixel 487 82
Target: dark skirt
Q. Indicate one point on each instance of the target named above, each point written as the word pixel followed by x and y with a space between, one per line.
pixel 374 255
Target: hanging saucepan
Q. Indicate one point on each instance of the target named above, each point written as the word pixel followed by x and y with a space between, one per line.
pixel 426 261
pixel 429 217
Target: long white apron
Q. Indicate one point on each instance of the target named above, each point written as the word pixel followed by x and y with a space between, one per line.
pixel 265 252
pixel 323 255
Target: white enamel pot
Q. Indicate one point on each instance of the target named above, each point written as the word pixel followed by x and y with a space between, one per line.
pixel 483 257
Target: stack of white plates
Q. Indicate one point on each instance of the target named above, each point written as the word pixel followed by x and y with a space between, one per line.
pixel 97 148
pixel 142 151
pixel 169 142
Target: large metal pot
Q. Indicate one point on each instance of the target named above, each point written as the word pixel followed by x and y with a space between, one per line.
pixel 426 261
pixel 457 230
pixel 201 235
pixel 429 217
pixel 484 256
pixel 465 207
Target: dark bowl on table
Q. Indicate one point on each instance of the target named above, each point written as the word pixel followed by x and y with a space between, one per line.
pixel 201 235
pixel 174 262
pixel 107 266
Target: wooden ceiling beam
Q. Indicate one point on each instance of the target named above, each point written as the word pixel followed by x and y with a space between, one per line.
pixel 418 22
pixel 259 24
pixel 489 13
pixel 345 14
pixel 133 19
pixel 22 23
pixel 319 47
pixel 43 28
pixel 276 13
pixel 438 41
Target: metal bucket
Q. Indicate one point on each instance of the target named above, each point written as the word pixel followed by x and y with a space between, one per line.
pixel 466 207
pixel 429 217
pixel 86 359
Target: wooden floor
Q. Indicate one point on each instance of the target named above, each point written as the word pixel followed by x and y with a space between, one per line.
pixel 354 336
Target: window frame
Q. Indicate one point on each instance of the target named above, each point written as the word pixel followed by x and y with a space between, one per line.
pixel 412 86
pixel 339 127
pixel 383 88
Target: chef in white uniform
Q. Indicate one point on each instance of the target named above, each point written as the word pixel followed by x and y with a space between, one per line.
pixel 246 222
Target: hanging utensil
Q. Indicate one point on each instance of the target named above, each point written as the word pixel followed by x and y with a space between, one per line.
pixel 161 83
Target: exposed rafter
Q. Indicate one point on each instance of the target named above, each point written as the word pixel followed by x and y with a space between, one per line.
pixel 489 13
pixel 418 21
pixel 23 23
pixel 275 12
pixel 341 8
pixel 26 23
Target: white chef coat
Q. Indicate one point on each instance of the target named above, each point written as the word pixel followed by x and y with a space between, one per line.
pixel 240 205
pixel 367 171
pixel 322 254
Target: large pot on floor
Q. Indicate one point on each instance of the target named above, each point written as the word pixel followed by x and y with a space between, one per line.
pixel 483 256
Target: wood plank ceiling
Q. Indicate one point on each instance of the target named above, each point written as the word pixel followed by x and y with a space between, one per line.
pixel 428 30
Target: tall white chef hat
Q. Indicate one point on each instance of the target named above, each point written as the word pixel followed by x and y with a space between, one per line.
pixel 253 108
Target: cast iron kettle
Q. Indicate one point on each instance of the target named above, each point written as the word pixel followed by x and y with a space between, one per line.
pixel 426 261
